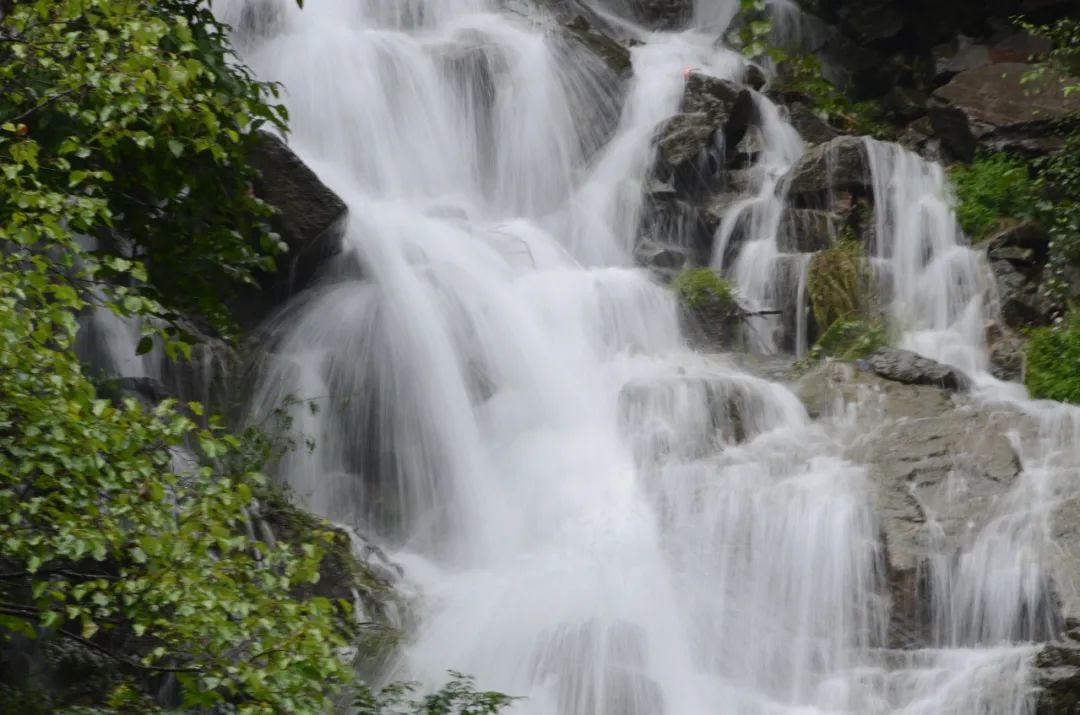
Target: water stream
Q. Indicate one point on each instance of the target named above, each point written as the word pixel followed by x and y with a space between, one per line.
pixel 598 518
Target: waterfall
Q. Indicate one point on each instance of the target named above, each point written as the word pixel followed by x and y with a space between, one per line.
pixel 599 519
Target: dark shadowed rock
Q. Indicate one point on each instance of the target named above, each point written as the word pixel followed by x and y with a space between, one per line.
pixel 914 369
pixel 309 216
pixel 950 126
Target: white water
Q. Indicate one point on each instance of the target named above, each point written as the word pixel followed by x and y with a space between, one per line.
pixel 599 519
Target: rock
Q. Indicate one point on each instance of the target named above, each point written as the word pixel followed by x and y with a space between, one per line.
pixel 994 96
pixel 903 104
pixel 840 164
pixel 1006 351
pixel 714 114
pixel 950 126
pixel 1027 238
pixel 614 55
pixel 868 23
pixel 1057 679
pixel 310 218
pixel 914 369
pixel 1019 298
pixel 937 467
pixel 960 55
pixel 812 128
pixel 663 259
pixel 806 230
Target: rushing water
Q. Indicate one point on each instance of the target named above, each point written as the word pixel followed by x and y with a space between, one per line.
pixel 598 518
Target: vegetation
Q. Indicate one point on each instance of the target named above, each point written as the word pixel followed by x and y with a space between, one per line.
pixel 129 578
pixel 458 697
pixel 1053 363
pixel 848 340
pixel 992 190
pixel 840 283
pixel 803 74
pixel 702 288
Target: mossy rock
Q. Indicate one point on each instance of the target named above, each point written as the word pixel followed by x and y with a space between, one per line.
pixel 710 310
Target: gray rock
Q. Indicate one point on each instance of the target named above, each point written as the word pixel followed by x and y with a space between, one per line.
pixel 936 465
pixel 840 164
pixel 812 128
pixel 993 95
pixel 1019 298
pixel 1057 679
pixel 868 23
pixel 903 104
pixel 914 369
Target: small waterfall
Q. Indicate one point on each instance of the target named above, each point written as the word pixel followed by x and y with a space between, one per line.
pixel 598 518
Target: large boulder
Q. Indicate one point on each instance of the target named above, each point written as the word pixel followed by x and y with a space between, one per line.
pixel 995 97
pixel 920 443
pixel 713 114
pixel 913 369
pixel 309 217
pixel 837 165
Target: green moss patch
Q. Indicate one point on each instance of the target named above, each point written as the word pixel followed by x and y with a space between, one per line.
pixel 993 190
pixel 1053 364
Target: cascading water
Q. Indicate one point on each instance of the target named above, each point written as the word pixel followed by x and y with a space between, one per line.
pixel 598 519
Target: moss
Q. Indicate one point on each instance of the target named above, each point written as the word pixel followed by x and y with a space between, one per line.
pixel 840 284
pixel 994 190
pixel 700 288
pixel 1053 363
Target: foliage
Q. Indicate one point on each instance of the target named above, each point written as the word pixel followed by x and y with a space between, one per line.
pixel 840 283
pixel 994 189
pixel 1058 182
pixel 1053 363
pixel 458 697
pixel 132 121
pixel 803 74
pixel 1064 55
pixel 702 288
pixel 848 340
pixel 127 122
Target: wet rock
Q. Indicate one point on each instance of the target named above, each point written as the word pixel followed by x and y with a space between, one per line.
pixel 994 96
pixel 914 369
pixel 840 164
pixel 714 114
pixel 936 464
pixel 613 54
pixel 664 260
pixel 806 230
pixel 1005 350
pixel 1057 679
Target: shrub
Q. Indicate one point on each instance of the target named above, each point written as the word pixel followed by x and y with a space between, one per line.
pixel 840 283
pixel 994 189
pixel 1053 363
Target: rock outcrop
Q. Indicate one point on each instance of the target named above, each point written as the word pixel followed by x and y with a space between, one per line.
pixel 913 369
pixel 309 218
